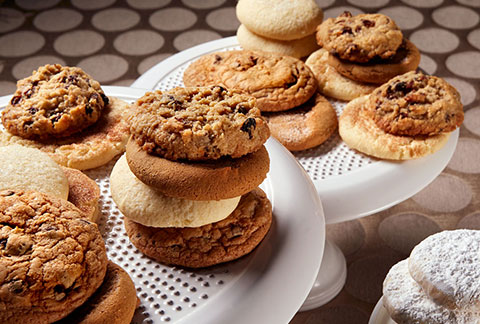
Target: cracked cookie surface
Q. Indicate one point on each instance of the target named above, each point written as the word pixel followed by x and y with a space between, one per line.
pixel 197 247
pixel 51 257
pixel 278 82
pixel 198 123
pixel 55 101
pixel 360 38
pixel 416 104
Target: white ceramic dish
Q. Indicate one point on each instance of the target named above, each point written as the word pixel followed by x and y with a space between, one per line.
pixel 350 184
pixel 267 286
pixel 380 315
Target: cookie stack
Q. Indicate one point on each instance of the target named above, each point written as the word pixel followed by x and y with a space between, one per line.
pixel 62 111
pixel 281 26
pixel 187 185
pixel 439 283
pixel 410 116
pixel 53 261
pixel 285 89
pixel 359 53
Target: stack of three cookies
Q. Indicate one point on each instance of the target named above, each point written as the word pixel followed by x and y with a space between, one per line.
pixel 439 283
pixel 282 26
pixel 285 89
pixel 187 185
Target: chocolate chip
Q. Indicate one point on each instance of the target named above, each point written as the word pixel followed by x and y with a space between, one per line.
pixel 28 93
pixel 247 126
pixel 347 30
pixel 218 58
pixel 15 100
pixel 368 23
pixel 88 110
pixel 401 87
pixel 241 109
pixel 55 118
pixel 32 110
pixel 16 287
pixel 73 79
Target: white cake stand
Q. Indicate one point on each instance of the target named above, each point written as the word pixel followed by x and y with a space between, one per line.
pixel 350 185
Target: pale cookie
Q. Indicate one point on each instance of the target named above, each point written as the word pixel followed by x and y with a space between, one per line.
pixel 445 265
pixel 304 127
pixel 203 123
pixel 278 82
pixel 30 169
pixel 416 104
pixel 208 180
pixel 280 19
pixel 198 247
pixel 113 303
pixel 297 47
pixel 359 132
pixel 55 101
pixel 360 38
pixel 52 259
pixel 407 303
pixel 84 193
pixel 90 148
pixel 146 205
pixel 378 71
pixel 333 84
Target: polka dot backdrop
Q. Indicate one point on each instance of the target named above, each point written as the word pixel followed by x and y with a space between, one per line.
pixel 116 41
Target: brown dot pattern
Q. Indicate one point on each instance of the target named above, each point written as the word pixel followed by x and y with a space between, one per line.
pixel 107 38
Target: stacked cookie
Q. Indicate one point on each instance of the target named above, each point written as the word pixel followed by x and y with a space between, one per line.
pixel 281 26
pixel 439 283
pixel 410 116
pixel 285 89
pixel 65 113
pixel 358 53
pixel 187 185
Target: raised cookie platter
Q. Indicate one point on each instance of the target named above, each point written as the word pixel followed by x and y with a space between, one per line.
pixel 350 184
pixel 219 294
pixel 380 315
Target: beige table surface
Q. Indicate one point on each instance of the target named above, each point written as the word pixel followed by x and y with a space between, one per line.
pixel 116 41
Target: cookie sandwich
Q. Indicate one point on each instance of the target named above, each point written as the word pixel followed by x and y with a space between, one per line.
pixel 408 117
pixel 187 184
pixel 285 88
pixel 280 26
pixel 64 112
pixel 359 53
pixel 438 283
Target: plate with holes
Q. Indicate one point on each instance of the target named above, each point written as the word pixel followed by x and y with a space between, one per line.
pixel 350 184
pixel 380 314
pixel 267 286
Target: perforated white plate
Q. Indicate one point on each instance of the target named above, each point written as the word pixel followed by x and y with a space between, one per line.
pixel 267 286
pixel 350 184
pixel 380 315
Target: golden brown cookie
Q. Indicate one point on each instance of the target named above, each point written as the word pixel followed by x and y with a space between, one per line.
pixel 360 38
pixel 90 148
pixel 333 84
pixel 278 82
pixel 208 180
pixel 83 192
pixel 359 132
pixel 55 101
pixel 304 127
pixel 280 19
pixel 52 258
pixel 296 47
pixel 226 240
pixel 376 71
pixel 113 302
pixel 198 123
pixel 416 104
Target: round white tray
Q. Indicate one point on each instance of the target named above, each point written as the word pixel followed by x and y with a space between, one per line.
pixel 267 286
pixel 380 315
pixel 350 184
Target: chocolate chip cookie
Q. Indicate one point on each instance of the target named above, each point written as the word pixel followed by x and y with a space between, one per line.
pixel 226 240
pixel 52 259
pixel 198 123
pixel 55 101
pixel 416 104
pixel 360 38
pixel 278 82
